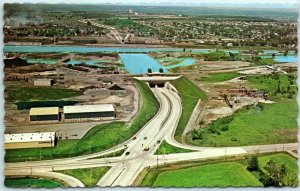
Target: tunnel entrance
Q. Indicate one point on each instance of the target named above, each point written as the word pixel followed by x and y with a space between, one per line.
pixel 159 85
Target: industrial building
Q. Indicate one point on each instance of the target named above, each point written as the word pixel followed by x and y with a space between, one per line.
pixel 43 82
pixel 89 112
pixel 44 114
pixel 29 140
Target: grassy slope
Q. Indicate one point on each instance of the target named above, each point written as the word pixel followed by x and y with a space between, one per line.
pixel 38 93
pixel 277 124
pixel 165 148
pixel 215 175
pixel 31 182
pixel 190 94
pixel 219 77
pixel 99 138
pixel 88 176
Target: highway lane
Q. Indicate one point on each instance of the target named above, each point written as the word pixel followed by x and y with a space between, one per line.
pixel 125 173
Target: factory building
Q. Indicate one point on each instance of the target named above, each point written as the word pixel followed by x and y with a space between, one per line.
pixel 29 140
pixel 43 82
pixel 89 112
pixel 44 114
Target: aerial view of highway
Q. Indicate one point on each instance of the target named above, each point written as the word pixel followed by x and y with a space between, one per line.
pixel 143 94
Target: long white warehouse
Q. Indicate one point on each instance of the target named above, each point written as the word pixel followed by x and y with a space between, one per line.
pixel 89 112
pixel 29 140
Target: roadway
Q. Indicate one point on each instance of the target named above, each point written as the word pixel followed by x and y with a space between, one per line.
pixel 125 169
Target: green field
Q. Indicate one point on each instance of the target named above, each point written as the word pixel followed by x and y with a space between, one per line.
pixel 166 148
pixel 219 77
pixel 88 176
pixel 99 138
pixel 213 173
pixel 275 123
pixel 190 94
pixel 15 93
pixel 279 86
pixel 229 174
pixel 31 182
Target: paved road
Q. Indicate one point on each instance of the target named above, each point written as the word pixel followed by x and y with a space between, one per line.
pixel 125 169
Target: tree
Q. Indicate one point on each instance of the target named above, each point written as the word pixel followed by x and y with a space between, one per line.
pixel 161 70
pixel 276 173
pixel 149 70
pixel 252 163
pixel 89 23
pixel 286 53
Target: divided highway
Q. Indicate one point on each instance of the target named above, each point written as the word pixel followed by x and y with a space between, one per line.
pixel 140 152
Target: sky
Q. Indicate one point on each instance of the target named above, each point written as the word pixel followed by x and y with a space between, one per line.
pixel 231 3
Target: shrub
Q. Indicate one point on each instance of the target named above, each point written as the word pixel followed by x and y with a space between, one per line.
pixel 225 128
pixel 252 163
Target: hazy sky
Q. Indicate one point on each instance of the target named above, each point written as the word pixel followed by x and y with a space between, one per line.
pixel 255 3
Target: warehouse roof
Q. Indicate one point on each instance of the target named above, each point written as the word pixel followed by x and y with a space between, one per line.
pixel 43 80
pixel 88 108
pixel 44 111
pixel 29 137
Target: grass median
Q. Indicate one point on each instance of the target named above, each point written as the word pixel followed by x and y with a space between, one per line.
pixel 88 176
pixel 166 148
pixel 99 138
pixel 190 95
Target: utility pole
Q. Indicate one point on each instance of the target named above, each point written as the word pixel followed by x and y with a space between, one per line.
pixel 157 162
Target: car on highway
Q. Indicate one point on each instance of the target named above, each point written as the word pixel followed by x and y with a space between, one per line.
pixel 158 142
pixel 134 138
pixel 146 149
pixel 127 153
pixel 145 138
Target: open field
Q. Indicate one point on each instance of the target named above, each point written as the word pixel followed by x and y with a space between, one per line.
pixel 215 175
pixel 277 124
pixel 31 182
pixel 38 93
pixel 89 176
pixel 165 148
pixel 216 172
pixel 190 95
pixel 109 135
pixel 219 77
pixel 277 85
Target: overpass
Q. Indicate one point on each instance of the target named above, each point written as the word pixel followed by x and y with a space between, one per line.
pixel 159 81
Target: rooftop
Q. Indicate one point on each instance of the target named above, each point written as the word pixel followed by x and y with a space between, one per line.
pixel 88 108
pixel 44 111
pixel 43 80
pixel 29 137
